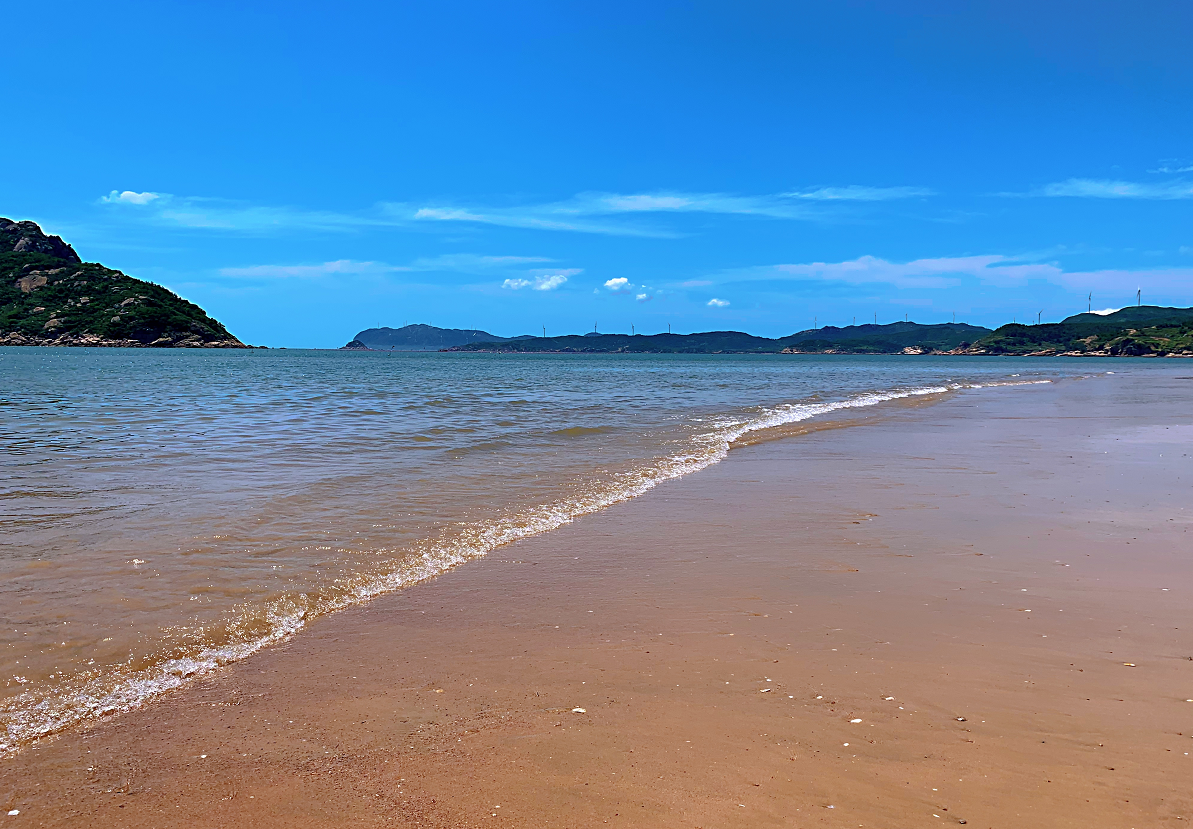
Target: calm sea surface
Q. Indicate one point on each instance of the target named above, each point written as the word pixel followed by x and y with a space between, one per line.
pixel 165 512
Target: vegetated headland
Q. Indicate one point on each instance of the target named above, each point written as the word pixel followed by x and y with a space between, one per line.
pixel 1138 331
pixel 49 296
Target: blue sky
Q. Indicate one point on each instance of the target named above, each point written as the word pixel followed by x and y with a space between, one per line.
pixel 305 170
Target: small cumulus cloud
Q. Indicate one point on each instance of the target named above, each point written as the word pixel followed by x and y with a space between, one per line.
pixel 129 197
pixel 1104 311
pixel 618 284
pixel 644 297
pixel 718 303
pixel 546 281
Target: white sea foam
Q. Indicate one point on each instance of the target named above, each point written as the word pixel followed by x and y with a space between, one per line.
pixel 47 712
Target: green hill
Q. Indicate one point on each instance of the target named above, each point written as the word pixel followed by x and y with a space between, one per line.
pixel 48 296
pixel 1140 331
pixel 896 338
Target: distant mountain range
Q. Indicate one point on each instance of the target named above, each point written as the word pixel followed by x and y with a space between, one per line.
pixel 895 338
pixel 49 296
pixel 1144 330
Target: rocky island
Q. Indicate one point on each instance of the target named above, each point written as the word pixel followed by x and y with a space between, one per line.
pixel 49 296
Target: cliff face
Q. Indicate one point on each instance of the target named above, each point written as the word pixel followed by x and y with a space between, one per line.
pixel 48 296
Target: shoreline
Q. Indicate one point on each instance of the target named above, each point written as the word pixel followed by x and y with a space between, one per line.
pixel 437 704
pixel 156 681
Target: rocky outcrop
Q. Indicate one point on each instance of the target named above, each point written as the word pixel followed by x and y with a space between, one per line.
pixel 27 237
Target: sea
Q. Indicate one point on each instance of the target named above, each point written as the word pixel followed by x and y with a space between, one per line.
pixel 164 513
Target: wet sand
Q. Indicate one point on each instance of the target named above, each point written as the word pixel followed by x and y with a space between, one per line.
pixel 976 611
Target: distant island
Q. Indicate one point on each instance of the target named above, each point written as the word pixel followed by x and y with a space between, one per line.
pixel 421 338
pixel 49 296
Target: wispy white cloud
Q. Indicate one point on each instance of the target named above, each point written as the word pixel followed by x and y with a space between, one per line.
pixel 644 297
pixel 945 272
pixel 919 273
pixel 344 267
pixel 618 284
pixel 718 303
pixel 204 213
pixel 1173 166
pixel 590 212
pixel 858 192
pixel 1090 188
pixel 465 263
pixel 621 214
pixel 472 263
pixel 1104 311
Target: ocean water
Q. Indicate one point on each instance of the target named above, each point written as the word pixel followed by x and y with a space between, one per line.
pixel 163 512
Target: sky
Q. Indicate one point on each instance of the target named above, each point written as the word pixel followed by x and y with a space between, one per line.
pixel 307 170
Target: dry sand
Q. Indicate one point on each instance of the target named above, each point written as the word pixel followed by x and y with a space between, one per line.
pixel 921 620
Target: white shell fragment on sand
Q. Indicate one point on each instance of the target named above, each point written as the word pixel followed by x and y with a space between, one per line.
pixel 764 691
pixel 579 711
pixel 855 720
pixel 1129 664
pixel 13 812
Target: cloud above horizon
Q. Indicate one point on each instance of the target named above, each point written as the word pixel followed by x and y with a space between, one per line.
pixel 1089 188
pixel 542 280
pixel 947 272
pixel 618 214
pixel 589 212
pixel 129 197
pixel 463 263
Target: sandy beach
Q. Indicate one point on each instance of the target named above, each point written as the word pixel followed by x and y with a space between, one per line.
pixel 975 611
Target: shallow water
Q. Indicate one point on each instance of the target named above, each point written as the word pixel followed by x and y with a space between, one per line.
pixel 165 512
